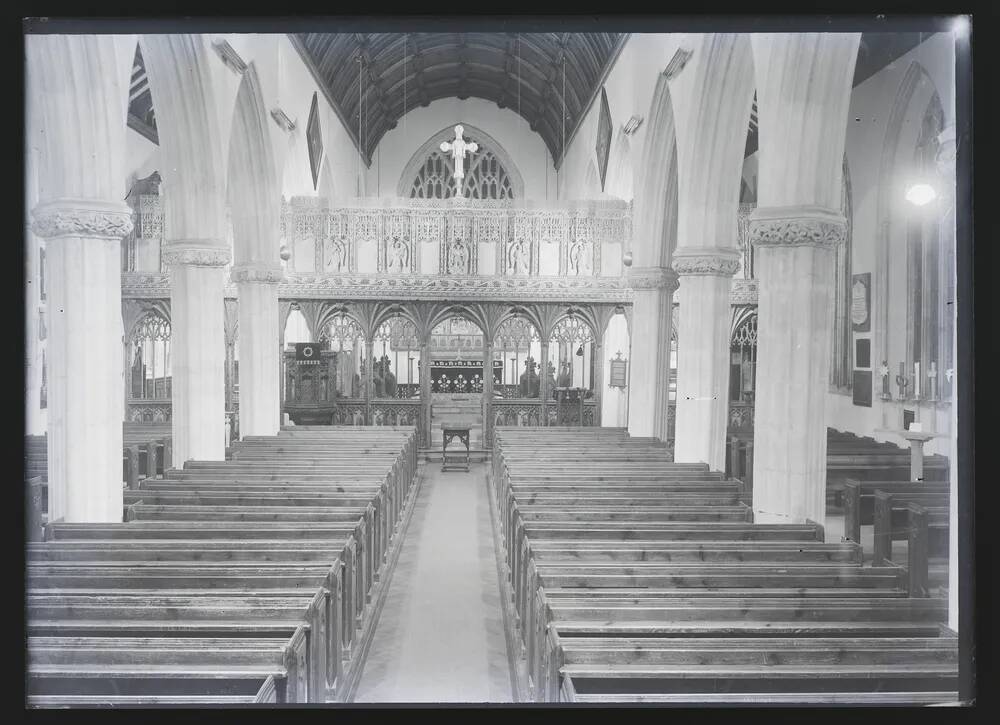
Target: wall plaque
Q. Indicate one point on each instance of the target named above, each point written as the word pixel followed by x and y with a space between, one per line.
pixel 861 302
pixel 619 372
pixel 863 353
pixel 862 388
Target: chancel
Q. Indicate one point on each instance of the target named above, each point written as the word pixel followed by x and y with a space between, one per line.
pixel 492 367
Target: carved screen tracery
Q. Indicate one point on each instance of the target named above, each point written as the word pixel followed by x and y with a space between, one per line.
pixel 148 363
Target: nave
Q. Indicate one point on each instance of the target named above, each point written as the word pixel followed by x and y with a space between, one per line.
pixel 440 635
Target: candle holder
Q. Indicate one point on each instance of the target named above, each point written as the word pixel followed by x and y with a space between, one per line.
pixel 884 372
pixel 903 383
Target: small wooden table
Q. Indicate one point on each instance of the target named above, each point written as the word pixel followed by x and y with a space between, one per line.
pixel 451 430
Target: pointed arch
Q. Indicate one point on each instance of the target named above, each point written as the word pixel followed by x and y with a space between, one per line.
pixel 254 195
pixel 179 68
pixel 620 182
pixel 655 216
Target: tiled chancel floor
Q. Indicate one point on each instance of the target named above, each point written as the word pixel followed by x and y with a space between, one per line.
pixel 440 635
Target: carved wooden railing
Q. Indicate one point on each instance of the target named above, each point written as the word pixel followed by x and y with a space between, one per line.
pixel 148 410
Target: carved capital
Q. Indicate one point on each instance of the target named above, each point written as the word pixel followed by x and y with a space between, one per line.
pixel 797 226
pixel 197 253
pixel 652 278
pixel 706 261
pixel 89 218
pixel 257 273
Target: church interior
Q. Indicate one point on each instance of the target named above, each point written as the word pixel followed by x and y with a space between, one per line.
pixel 538 367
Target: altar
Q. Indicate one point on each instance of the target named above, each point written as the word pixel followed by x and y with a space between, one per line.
pixel 462 376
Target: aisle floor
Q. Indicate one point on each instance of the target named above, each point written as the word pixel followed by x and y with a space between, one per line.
pixel 440 635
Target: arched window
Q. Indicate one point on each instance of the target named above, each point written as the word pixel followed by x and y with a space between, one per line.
pixel 485 177
pixel 489 172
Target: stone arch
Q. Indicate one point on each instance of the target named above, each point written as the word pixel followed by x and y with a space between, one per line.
pixel 326 188
pixel 447 133
pixel 591 182
pixel 254 196
pixel 181 80
pixel 621 180
pixel 712 125
pixel 655 216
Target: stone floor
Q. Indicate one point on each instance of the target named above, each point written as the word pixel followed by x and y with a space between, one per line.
pixel 440 635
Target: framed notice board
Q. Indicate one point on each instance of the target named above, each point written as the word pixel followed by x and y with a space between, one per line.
pixel 619 372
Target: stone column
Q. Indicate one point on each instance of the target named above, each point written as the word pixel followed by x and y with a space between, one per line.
pixel 803 85
pixel 795 257
pixel 368 379
pixel 487 392
pixel 83 244
pixel 425 391
pixel 260 370
pixel 649 367
pixel 598 376
pixel 198 348
pixel 703 357
pixel 543 382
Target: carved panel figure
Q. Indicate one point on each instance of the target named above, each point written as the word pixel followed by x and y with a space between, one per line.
pixel 335 257
pixel 398 256
pixel 518 257
pixel 581 254
pixel 458 257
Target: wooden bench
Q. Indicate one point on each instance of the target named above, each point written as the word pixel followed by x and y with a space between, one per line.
pixel 601 541
pixel 691 667
pixel 859 500
pixel 221 559
pixel 176 666
pixel 891 520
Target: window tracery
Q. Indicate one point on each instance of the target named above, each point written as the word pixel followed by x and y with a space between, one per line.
pixel 485 178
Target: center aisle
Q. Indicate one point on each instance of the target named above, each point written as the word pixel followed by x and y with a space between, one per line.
pixel 440 635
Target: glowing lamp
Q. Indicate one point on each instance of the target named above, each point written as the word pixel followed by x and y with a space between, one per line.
pixel 921 194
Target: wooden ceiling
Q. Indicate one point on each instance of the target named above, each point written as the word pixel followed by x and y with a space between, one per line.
pixel 429 66
pixel 484 65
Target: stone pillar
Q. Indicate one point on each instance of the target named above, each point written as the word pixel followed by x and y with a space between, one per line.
pixel 543 382
pixel 425 390
pixel 198 348
pixel 368 379
pixel 649 367
pixel 703 358
pixel 83 244
pixel 487 392
pixel 260 369
pixel 795 257
pixel 598 376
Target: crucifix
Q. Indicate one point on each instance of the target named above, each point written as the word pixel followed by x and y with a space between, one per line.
pixel 458 147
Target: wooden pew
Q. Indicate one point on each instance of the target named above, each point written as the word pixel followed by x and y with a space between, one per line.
pixel 590 554
pixel 115 615
pixel 689 668
pixel 891 519
pixel 859 500
pixel 154 666
pixel 201 557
